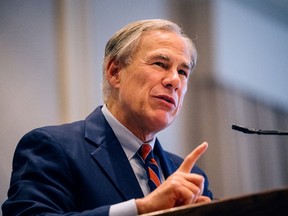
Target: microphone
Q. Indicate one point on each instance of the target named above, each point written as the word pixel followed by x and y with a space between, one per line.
pixel 259 132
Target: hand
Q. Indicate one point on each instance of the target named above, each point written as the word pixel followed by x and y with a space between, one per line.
pixel 181 188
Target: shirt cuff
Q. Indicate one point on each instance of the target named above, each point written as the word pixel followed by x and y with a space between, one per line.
pixel 127 208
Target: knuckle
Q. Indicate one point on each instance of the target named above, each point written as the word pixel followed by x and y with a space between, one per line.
pixel 174 182
pixel 198 192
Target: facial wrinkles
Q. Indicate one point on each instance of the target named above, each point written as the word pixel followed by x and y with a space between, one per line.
pixel 166 41
pixel 175 64
pixel 147 80
pixel 175 54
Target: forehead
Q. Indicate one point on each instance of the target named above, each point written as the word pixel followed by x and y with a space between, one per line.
pixel 165 43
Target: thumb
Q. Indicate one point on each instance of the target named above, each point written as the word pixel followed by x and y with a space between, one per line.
pixel 191 159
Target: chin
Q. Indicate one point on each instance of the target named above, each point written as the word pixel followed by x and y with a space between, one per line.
pixel 160 118
pixel 163 122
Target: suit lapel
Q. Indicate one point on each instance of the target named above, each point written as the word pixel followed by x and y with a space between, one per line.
pixel 167 165
pixel 110 156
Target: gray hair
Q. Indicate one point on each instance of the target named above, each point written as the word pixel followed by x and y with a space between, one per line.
pixel 123 44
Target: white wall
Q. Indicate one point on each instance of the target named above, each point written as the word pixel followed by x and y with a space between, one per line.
pixel 251 51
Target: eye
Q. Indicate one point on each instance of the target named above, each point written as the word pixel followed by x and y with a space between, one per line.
pixel 183 72
pixel 160 64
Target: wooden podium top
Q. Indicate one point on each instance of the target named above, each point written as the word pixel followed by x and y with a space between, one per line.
pixel 272 203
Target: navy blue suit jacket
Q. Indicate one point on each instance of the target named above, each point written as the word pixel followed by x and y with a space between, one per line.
pixel 76 168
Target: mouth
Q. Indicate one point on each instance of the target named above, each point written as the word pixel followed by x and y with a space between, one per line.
pixel 167 99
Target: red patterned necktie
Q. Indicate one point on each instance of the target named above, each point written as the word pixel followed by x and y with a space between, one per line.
pixel 151 166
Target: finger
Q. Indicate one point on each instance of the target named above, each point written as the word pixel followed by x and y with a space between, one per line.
pixel 190 194
pixel 203 199
pixel 193 178
pixel 186 196
pixel 191 159
pixel 194 182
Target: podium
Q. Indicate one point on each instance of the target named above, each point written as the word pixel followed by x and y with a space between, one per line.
pixel 272 203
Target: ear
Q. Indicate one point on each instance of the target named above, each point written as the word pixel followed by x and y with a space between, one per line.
pixel 113 72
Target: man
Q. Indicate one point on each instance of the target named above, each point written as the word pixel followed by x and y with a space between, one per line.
pixel 95 167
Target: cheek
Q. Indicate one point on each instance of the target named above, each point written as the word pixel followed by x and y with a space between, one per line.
pixel 182 94
pixel 133 93
pixel 181 97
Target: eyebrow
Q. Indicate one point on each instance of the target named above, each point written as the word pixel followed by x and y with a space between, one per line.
pixel 167 58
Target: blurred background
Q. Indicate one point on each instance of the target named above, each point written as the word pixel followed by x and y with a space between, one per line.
pixel 51 71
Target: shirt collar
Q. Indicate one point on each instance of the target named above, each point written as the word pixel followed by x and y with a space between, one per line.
pixel 129 142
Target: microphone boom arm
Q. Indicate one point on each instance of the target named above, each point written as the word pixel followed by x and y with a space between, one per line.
pixel 259 132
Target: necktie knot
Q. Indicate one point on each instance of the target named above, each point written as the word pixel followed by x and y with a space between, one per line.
pixel 146 153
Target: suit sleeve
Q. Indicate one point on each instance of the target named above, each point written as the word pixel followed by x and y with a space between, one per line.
pixel 41 181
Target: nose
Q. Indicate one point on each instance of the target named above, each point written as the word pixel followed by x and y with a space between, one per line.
pixel 172 80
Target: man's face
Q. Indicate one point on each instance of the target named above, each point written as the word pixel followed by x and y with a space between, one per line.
pixel 152 87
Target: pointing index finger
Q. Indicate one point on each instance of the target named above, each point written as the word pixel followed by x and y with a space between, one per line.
pixel 191 159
